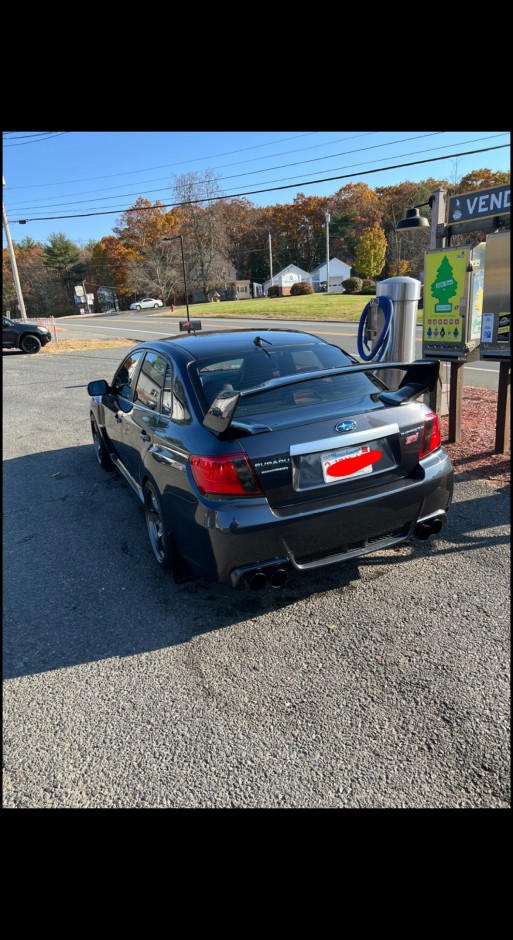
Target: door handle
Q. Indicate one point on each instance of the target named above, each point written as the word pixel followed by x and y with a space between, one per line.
pixel 145 436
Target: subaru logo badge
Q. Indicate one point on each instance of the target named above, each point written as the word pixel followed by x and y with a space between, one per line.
pixel 346 426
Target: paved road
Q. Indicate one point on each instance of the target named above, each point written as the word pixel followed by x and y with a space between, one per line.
pixel 142 325
pixel 381 683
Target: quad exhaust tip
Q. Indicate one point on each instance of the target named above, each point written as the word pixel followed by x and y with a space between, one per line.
pixel 429 527
pixel 259 579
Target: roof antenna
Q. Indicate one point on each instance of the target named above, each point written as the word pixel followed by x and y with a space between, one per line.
pixel 259 341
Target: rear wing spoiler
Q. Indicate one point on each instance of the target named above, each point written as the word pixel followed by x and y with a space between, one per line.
pixel 420 377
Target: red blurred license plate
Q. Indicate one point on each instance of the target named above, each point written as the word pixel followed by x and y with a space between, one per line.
pixel 342 465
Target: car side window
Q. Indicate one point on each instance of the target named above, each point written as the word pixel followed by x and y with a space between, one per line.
pixel 151 381
pixel 124 378
pixel 174 401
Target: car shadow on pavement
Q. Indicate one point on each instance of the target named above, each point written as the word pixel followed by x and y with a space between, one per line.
pixel 81 583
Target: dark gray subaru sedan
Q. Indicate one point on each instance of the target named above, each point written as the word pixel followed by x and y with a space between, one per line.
pixel 255 452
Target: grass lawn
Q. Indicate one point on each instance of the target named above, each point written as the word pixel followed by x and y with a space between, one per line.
pixel 342 307
pixel 308 307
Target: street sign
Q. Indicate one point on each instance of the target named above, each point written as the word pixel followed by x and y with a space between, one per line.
pixel 480 204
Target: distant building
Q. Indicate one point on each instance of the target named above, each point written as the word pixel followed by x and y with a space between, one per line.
pixel 237 290
pixel 286 278
pixel 339 271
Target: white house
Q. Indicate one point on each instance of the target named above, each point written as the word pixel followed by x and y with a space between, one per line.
pixel 339 271
pixel 286 278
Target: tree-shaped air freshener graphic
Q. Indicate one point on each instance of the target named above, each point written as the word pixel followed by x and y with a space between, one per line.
pixel 444 286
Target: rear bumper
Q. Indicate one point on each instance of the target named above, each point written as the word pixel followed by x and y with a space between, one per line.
pixel 249 534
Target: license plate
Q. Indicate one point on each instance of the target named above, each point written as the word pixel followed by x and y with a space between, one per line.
pixel 340 465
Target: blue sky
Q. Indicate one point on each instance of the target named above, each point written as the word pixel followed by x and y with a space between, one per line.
pixel 52 174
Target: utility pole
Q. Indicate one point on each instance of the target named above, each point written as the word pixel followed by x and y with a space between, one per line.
pixel 438 213
pixel 14 266
pixel 327 217
pixel 271 258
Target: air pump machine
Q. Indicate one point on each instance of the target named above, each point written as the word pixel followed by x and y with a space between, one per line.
pixel 388 325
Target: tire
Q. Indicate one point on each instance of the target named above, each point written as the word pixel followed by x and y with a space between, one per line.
pixel 30 343
pixel 138 307
pixel 161 545
pixel 156 306
pixel 102 454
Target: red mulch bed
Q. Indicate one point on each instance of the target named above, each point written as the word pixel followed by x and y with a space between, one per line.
pixel 474 454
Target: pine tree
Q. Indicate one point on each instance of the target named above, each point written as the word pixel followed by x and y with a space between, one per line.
pixel 60 253
pixel 444 286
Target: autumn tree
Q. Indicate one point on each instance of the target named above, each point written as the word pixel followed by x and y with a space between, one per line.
pixel 110 260
pixel 353 208
pixel 42 286
pixel 157 272
pixel 247 238
pixel 405 248
pixel 205 239
pixel 298 231
pixel 9 298
pixel 370 252
pixel 143 225
pixel 482 179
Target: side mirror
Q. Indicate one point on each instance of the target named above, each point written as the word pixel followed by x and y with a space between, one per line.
pixel 97 388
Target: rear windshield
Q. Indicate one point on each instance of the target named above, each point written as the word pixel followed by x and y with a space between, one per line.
pixel 249 369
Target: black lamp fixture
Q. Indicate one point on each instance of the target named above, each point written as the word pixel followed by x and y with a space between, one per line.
pixel 413 218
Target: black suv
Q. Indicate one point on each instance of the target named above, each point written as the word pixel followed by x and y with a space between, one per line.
pixel 24 335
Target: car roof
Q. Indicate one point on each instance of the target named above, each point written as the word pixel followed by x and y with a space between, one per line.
pixel 213 342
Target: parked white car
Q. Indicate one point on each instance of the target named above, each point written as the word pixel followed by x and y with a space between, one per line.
pixel 146 302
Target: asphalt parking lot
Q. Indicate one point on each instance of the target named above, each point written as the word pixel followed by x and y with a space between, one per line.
pixel 381 683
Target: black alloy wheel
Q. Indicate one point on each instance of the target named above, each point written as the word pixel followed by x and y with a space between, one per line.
pixel 30 343
pixel 156 527
pixel 102 454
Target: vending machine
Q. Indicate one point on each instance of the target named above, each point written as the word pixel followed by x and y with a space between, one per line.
pixel 453 303
pixel 496 323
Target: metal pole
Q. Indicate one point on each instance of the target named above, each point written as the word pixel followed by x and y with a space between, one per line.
pixel 14 266
pixel 438 209
pixel 503 409
pixel 172 238
pixel 327 217
pixel 184 276
pixel 455 399
pixel 271 258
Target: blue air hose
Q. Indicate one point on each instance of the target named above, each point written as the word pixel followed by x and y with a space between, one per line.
pixel 383 343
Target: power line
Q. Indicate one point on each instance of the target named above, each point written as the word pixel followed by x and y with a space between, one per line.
pixel 267 182
pixel 329 179
pixel 238 175
pixel 179 163
pixel 23 136
pixel 39 140
pixel 225 166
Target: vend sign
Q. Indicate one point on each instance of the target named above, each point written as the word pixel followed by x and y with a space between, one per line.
pixel 480 204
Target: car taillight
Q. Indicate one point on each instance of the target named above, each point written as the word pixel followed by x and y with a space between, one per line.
pixel 431 439
pixel 231 475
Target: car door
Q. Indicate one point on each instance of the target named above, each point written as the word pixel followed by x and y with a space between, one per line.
pixel 122 387
pixel 140 423
pixel 8 332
